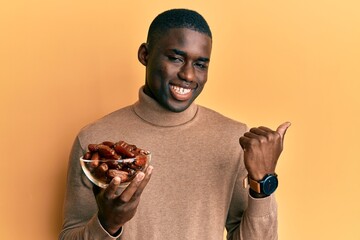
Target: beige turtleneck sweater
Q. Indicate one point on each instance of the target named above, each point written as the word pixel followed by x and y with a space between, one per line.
pixel 196 186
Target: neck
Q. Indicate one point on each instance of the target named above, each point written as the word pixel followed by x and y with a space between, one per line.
pixel 152 112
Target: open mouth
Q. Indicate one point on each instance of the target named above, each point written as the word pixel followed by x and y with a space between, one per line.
pixel 180 93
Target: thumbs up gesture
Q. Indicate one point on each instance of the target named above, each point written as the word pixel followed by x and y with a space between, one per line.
pixel 262 148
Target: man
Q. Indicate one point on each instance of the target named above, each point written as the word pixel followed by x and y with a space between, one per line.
pixel 199 166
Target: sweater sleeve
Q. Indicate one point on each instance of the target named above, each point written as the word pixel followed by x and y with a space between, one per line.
pixel 253 218
pixel 80 209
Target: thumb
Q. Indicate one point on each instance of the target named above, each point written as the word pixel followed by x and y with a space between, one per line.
pixel 282 129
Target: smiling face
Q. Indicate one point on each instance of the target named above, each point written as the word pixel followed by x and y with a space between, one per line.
pixel 176 67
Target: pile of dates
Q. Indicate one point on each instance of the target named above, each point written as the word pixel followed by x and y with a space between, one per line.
pixel 104 165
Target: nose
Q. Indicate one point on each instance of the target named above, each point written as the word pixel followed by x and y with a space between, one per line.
pixel 187 72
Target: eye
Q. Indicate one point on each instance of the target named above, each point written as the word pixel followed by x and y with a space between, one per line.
pixel 201 65
pixel 175 59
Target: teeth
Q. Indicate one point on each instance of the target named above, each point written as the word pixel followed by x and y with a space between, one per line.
pixel 180 90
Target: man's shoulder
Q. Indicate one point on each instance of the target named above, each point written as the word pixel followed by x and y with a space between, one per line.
pixel 106 124
pixel 214 118
pixel 109 118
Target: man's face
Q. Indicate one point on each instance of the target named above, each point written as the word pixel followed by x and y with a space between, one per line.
pixel 177 67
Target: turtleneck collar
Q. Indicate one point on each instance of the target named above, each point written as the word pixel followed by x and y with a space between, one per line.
pixel 152 112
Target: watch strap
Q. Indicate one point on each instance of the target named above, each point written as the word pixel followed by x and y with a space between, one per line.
pixel 254 185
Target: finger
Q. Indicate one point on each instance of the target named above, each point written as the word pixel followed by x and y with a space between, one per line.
pixel 96 190
pixel 128 193
pixel 244 142
pixel 251 135
pixel 144 182
pixel 110 191
pixel 282 129
pixel 259 131
pixel 266 129
pixel 134 186
pixel 241 141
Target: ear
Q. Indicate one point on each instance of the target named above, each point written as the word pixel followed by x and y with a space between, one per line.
pixel 143 54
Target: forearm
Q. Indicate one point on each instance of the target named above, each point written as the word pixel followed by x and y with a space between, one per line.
pixel 259 220
pixel 92 230
pixel 80 209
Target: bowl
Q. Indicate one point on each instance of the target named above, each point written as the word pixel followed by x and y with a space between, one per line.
pixel 102 171
pixel 107 160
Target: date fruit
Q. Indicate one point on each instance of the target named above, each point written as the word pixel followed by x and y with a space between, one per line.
pixel 104 165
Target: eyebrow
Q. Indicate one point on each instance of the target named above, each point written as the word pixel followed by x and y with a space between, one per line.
pixel 182 53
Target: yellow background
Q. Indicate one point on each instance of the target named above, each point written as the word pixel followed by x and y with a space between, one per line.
pixel 66 63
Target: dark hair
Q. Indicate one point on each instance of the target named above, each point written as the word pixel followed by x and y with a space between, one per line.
pixel 177 18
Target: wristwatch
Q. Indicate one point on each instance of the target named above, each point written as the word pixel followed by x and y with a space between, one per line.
pixel 265 186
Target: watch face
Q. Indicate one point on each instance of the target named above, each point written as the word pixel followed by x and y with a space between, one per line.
pixel 270 184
